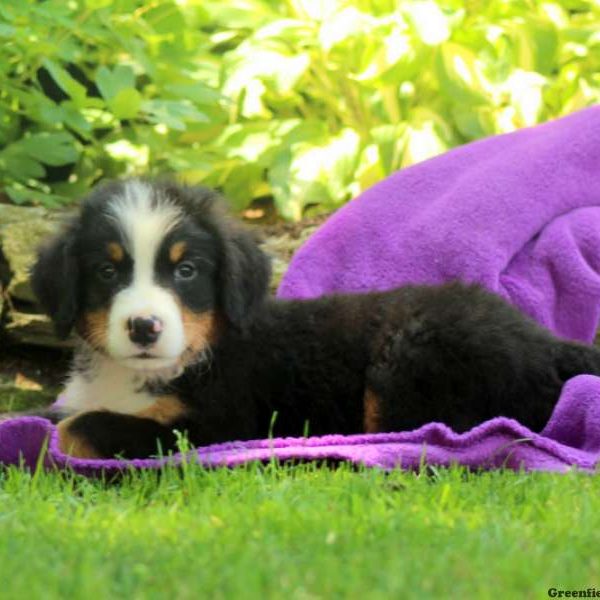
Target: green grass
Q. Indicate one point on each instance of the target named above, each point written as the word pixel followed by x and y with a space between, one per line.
pixel 298 532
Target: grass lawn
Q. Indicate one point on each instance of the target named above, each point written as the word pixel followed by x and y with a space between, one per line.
pixel 298 532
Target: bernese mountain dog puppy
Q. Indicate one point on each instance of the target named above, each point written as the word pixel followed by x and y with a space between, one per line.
pixel 168 297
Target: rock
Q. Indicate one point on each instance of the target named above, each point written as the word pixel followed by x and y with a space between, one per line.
pixel 9 213
pixel 281 249
pixel 33 329
pixel 22 229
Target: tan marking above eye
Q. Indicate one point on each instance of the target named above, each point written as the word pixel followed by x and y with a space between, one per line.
pixel 115 251
pixel 177 251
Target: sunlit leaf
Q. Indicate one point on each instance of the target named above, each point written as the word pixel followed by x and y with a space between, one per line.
pixel 584 96
pixel 292 31
pixel 124 150
pixel 460 74
pixel 370 169
pixel 425 137
pixel 525 90
pixel 318 10
pixel 339 26
pixel 396 55
pixel 315 174
pixel 430 23
pixel 280 70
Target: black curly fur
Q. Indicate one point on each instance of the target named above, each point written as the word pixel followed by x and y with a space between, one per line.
pixel 452 353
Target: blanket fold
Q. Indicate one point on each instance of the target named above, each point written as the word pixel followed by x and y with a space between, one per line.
pixel 517 213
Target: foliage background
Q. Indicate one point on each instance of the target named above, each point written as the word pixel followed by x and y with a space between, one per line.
pixel 307 102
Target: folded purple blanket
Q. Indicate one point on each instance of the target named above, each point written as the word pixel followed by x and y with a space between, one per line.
pixel 518 213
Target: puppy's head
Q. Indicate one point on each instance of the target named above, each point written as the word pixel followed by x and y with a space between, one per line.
pixel 147 271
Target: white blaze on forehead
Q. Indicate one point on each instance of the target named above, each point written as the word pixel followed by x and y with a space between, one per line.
pixel 145 220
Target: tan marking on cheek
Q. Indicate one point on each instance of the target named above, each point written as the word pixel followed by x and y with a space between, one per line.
pixel 165 410
pixel 200 329
pixel 372 412
pixel 115 251
pixel 93 327
pixel 72 444
pixel 177 251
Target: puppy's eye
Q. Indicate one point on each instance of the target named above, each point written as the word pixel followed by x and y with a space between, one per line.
pixel 106 271
pixel 185 271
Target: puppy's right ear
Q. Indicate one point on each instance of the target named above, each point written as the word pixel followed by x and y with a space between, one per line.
pixel 55 281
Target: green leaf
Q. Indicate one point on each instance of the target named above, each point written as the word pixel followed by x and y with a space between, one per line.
pixel 21 195
pixel 76 120
pixel 6 31
pixel 474 122
pixel 241 185
pixel 53 149
pixel 15 163
pixel 126 104
pixel 165 18
pixel 63 79
pixel 536 45
pixel 197 92
pixel 173 114
pixel 110 83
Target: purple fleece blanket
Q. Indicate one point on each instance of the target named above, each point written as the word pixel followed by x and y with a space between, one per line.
pixel 518 213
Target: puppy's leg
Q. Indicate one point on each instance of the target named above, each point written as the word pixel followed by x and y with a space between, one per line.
pixel 104 434
pixel 371 412
pixel 576 359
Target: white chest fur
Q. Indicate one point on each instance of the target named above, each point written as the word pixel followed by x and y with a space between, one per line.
pixel 98 382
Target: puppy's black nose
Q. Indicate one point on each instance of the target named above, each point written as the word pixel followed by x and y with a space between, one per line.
pixel 144 331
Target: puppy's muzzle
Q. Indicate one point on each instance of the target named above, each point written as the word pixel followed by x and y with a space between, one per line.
pixel 144 331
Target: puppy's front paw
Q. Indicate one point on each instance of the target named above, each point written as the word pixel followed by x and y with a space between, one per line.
pixel 73 443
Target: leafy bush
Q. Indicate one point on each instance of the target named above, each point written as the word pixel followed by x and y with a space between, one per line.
pixel 307 101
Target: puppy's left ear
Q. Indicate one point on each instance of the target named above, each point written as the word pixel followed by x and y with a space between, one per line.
pixel 244 276
pixel 55 281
